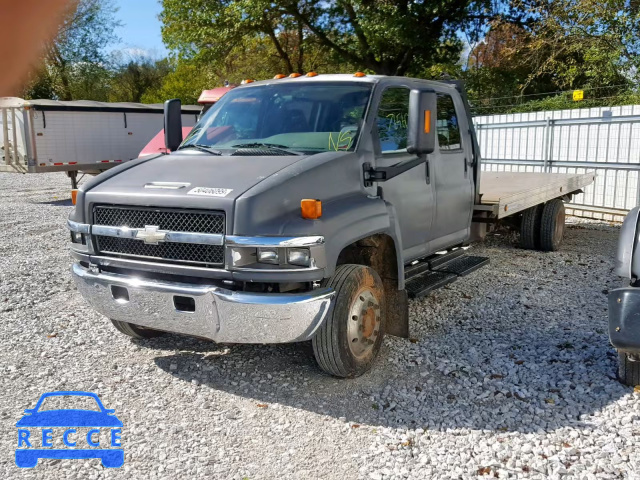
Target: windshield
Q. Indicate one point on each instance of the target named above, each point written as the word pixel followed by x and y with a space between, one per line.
pixel 309 118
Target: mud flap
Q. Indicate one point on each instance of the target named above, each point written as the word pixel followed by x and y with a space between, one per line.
pixel 397 313
pixel 624 319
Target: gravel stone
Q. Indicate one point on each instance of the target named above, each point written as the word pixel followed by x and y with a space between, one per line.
pixel 508 374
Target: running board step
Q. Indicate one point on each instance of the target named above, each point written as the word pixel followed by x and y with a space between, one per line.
pixel 427 281
pixel 463 266
pixel 431 263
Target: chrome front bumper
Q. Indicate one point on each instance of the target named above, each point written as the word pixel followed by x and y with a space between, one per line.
pixel 218 314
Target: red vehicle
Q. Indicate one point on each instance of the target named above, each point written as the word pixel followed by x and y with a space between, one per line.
pixel 207 99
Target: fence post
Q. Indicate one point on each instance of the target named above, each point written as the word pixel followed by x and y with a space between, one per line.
pixel 5 135
pixel 548 145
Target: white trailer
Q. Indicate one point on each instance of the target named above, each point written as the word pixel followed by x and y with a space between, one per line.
pixel 41 136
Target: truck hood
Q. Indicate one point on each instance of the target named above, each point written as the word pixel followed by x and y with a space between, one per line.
pixel 208 182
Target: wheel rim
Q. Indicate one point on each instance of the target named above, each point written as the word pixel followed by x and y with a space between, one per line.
pixel 364 323
pixel 559 230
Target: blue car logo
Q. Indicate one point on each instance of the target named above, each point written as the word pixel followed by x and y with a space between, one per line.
pixel 32 447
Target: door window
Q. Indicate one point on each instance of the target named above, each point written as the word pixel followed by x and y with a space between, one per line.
pixel 448 127
pixel 393 114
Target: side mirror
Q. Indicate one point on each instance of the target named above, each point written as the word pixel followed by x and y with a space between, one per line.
pixel 421 135
pixel 172 124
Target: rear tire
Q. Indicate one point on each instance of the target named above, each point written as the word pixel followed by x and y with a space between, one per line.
pixel 530 228
pixel 134 331
pixel 628 371
pixel 552 226
pixel 349 340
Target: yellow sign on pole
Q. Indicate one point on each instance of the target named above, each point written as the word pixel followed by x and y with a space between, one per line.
pixel 578 95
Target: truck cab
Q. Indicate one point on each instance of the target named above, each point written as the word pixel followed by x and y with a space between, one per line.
pixel 304 208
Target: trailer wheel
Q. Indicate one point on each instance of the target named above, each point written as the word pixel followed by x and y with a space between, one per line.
pixel 552 225
pixel 135 331
pixel 628 371
pixel 350 338
pixel 530 228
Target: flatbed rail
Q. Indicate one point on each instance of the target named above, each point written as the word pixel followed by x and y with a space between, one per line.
pixel 507 193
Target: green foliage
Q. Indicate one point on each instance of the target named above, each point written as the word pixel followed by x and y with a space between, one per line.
pixel 74 62
pixel 391 38
pixel 516 54
pixel 185 82
pixel 134 80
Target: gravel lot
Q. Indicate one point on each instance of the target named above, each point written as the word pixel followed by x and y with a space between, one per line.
pixel 509 373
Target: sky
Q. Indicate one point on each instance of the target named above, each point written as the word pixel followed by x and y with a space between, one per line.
pixel 140 30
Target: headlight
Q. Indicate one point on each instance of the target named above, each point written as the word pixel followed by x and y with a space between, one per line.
pixel 268 255
pixel 299 256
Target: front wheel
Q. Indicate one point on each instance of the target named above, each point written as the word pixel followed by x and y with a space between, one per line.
pixel 628 370
pixel 349 340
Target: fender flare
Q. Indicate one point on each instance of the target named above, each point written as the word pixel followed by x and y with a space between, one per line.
pixel 627 263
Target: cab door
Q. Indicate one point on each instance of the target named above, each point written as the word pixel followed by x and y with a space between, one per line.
pixel 452 174
pixel 411 192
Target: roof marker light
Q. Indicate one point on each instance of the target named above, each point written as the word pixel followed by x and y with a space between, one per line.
pixel 279 76
pixel 295 75
pixel 248 80
pixel 359 74
pixel 312 74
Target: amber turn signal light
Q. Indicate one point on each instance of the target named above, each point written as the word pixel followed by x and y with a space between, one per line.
pixel 311 208
pixel 427 121
pixel 74 196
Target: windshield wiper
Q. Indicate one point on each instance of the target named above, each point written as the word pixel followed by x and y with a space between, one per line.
pixel 272 146
pixel 203 148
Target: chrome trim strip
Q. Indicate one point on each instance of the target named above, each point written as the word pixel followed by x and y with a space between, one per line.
pixel 78 227
pixel 277 270
pixel 166 185
pixel 164 266
pixel 293 242
pixel 159 260
pixel 172 237
pixel 107 231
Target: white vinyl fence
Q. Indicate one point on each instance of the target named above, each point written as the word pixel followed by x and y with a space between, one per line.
pixel 604 140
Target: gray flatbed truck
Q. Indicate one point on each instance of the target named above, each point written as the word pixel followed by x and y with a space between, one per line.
pixel 300 209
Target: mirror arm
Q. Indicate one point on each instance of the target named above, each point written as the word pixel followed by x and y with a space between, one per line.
pixel 382 174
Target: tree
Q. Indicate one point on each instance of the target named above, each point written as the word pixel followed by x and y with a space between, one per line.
pixel 77 55
pixel 132 79
pixel 386 37
pixel 186 82
pixel 583 43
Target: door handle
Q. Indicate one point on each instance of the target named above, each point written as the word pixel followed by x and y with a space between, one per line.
pixel 428 172
pixel 466 168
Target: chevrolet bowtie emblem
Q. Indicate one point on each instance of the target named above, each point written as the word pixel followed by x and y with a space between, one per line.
pixel 151 235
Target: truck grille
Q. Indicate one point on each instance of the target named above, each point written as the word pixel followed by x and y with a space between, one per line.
pixel 164 219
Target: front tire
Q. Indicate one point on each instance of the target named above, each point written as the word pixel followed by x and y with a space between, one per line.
pixel 348 342
pixel 134 331
pixel 628 371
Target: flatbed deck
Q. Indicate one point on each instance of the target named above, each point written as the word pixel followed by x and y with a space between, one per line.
pixel 507 193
